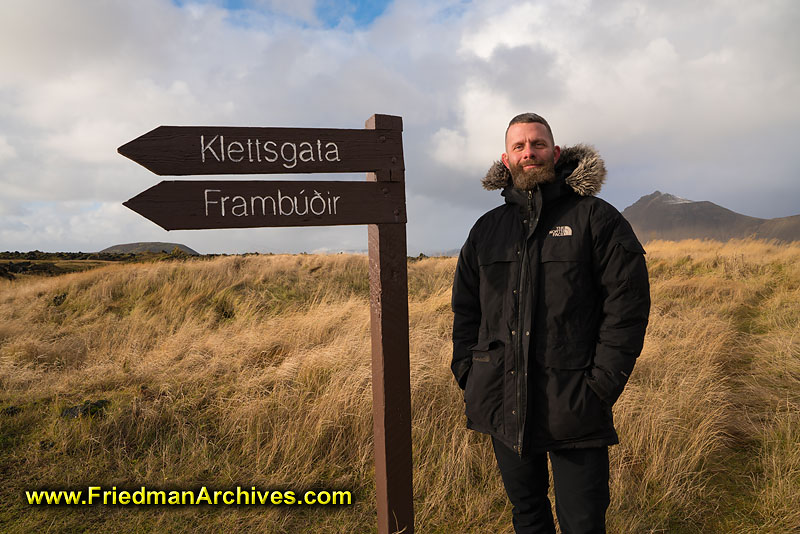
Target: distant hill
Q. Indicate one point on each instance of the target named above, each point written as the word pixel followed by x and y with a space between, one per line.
pixel 665 216
pixel 151 246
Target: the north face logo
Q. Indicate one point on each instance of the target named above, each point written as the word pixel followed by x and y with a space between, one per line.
pixel 560 231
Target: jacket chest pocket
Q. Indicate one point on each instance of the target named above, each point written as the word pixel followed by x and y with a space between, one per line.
pixel 568 295
pixel 565 249
pixel 499 275
pixel 566 265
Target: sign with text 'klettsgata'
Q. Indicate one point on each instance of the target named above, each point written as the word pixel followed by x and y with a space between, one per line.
pixel 185 150
pixel 196 205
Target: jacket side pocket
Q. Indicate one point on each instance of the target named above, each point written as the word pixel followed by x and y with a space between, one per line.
pixel 484 391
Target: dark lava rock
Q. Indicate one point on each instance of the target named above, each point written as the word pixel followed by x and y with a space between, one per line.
pixel 87 408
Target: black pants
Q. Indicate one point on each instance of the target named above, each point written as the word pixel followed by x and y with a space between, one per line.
pixel 580 481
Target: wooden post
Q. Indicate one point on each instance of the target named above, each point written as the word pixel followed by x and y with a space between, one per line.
pixel 391 389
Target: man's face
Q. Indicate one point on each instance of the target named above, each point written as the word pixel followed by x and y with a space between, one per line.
pixel 530 155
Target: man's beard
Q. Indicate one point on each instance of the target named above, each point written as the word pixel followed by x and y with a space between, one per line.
pixel 527 180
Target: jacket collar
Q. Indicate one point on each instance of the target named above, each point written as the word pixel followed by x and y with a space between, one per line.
pixel 579 167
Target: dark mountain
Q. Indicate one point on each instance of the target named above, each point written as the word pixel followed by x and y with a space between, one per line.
pixel 664 216
pixel 782 229
pixel 152 246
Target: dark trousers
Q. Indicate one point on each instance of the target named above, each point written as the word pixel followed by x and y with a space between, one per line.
pixel 580 481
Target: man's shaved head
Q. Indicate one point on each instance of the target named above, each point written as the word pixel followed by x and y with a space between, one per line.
pixel 531 117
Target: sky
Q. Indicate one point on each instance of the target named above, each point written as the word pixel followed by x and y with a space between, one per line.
pixel 697 99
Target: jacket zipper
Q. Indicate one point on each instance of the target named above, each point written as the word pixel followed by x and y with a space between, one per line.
pixel 522 376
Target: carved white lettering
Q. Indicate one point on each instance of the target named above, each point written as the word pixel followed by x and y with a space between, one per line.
pixel 235 147
pixel 281 198
pixel 297 208
pixel 318 198
pixel 301 204
pixel 332 204
pixel 306 152
pixel 289 161
pixel 332 153
pixel 204 147
pixel 263 205
pixel 274 154
pixel 288 153
pixel 241 204
pixel 205 196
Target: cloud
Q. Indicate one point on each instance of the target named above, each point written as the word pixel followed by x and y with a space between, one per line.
pixel 304 10
pixel 7 152
pixel 697 100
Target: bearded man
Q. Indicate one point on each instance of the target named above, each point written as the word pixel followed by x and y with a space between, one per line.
pixel 551 300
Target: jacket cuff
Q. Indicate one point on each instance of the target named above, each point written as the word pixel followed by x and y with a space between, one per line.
pixel 461 372
pixel 608 385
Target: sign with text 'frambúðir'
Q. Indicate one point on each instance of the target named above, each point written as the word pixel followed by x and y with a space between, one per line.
pixel 194 205
pixel 378 202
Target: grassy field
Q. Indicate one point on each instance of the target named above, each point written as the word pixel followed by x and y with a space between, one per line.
pixel 255 371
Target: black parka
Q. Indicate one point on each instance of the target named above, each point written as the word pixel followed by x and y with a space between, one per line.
pixel 551 301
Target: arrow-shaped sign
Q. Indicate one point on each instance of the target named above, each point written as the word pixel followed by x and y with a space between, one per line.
pixel 194 205
pixel 185 150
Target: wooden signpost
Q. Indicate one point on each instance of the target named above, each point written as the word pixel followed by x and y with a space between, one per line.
pixel 378 202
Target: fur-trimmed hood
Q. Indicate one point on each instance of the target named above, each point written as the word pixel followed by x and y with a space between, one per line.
pixel 580 166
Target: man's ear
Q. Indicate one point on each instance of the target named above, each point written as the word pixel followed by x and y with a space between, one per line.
pixel 504 157
pixel 556 153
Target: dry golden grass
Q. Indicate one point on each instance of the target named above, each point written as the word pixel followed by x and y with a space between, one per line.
pixel 255 371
